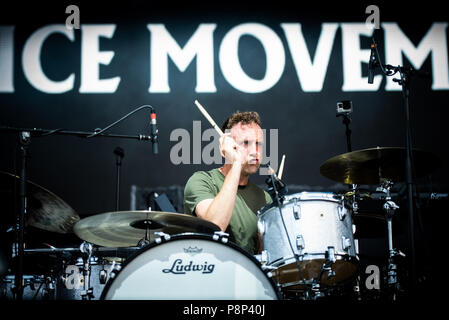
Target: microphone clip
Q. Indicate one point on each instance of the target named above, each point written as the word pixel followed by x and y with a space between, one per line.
pixel 276 187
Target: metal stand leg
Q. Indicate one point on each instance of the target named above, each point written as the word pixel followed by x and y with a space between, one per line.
pixel 86 248
pixel 390 207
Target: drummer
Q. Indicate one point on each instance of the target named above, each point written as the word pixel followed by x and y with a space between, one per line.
pixel 225 196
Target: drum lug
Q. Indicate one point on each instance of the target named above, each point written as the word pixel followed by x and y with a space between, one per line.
pixel 300 243
pixel 341 212
pixel 162 236
pixel 264 257
pixel 346 242
pixel 221 235
pixel 103 276
pixel 331 254
pixel 296 210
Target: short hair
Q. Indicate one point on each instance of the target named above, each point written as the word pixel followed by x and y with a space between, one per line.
pixel 245 117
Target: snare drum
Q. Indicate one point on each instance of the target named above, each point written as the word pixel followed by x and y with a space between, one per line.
pixel 191 266
pixel 318 229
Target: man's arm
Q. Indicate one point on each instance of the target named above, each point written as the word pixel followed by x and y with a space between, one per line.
pixel 219 210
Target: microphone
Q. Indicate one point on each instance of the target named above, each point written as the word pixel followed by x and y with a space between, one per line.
pixel 275 185
pixel 372 63
pixel 154 131
pixel 120 154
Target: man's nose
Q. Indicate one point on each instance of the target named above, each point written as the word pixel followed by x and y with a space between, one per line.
pixel 254 149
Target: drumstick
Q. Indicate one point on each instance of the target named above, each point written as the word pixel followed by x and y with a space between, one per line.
pixel 214 125
pixel 281 168
pixel 209 118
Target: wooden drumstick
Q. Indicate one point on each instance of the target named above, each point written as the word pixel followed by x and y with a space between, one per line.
pixel 209 118
pixel 281 168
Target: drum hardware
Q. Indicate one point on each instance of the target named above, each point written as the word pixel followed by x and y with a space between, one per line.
pixel 86 248
pixel 263 259
pixel 390 207
pixel 162 236
pixel 410 163
pixel 146 225
pixel 46 287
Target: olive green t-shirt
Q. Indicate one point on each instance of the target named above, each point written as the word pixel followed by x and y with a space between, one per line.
pixel 250 198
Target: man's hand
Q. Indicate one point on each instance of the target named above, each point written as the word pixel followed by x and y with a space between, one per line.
pixel 230 150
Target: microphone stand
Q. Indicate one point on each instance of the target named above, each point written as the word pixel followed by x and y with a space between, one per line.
pixel 25 135
pixel 353 187
pixel 119 156
pixel 405 76
pixel 346 122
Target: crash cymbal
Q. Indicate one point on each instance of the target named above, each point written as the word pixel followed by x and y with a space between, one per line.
pixel 372 166
pixel 45 210
pixel 127 228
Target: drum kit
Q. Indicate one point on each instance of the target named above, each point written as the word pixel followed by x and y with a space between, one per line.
pixel 309 247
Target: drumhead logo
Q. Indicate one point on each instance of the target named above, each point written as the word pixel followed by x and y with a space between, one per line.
pixel 179 268
pixel 194 250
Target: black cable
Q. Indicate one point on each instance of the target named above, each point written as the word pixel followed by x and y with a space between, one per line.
pixel 37 291
pixel 119 120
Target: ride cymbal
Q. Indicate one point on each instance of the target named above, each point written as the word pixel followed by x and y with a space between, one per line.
pixel 374 165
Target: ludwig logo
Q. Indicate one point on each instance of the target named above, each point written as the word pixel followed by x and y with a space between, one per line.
pixel 179 267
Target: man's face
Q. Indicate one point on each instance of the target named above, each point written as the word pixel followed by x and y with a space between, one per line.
pixel 250 138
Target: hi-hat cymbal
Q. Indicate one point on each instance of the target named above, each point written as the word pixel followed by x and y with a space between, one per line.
pixel 127 228
pixel 45 210
pixel 372 166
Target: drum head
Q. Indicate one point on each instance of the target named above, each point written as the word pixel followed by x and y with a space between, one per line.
pixel 191 267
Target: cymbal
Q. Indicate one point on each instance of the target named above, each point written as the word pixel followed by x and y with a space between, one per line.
pixel 45 210
pixel 127 228
pixel 372 166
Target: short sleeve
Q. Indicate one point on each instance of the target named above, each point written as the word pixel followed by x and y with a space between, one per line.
pixel 199 187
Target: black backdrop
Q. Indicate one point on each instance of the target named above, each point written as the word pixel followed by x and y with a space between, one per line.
pixel 82 171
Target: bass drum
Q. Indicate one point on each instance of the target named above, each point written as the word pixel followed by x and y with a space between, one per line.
pixel 190 267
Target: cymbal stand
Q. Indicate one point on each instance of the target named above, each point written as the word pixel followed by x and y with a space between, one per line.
pixel 24 142
pixel 86 248
pixel 390 207
pixel 146 239
pixel 406 74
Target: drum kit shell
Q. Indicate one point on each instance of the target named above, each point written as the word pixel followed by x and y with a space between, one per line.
pixel 309 243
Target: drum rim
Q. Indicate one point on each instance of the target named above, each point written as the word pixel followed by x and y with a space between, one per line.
pixel 192 235
pixel 331 197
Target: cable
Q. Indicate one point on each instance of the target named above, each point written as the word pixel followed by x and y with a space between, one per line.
pixel 121 119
